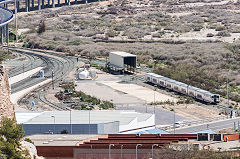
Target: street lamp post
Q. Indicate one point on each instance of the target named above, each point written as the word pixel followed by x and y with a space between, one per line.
pixel 155 88
pixel 92 151
pixel 137 150
pixel 70 121
pixel 54 126
pixel 88 119
pixel 109 150
pixel 152 148
pixel 121 151
pixel 228 89
pixel 174 120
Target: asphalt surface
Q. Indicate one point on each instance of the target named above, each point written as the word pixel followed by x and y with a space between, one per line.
pixel 229 123
pixel 5 15
pixel 162 117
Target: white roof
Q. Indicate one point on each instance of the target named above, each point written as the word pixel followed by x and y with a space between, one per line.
pixel 82 117
pixel 123 54
pixel 60 139
pixel 24 116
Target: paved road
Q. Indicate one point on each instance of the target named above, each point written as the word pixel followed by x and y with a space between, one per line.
pixel 229 123
pixel 162 117
pixel 5 15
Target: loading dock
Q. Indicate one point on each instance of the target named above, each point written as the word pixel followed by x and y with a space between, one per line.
pixel 122 62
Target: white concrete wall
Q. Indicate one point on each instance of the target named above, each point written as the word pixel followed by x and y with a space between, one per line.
pixel 116 60
pixel 24 75
pixel 134 124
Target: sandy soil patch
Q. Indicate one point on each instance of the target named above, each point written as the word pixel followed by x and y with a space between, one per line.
pixel 105 93
pixel 180 14
pixel 194 111
pixel 202 36
pixel 20 31
pixel 97 89
pixel 203 4
pixel 140 92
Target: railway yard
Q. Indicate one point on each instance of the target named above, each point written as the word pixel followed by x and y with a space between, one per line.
pixel 119 79
pixel 190 42
pixel 127 92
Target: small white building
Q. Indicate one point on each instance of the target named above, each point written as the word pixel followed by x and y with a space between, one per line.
pixel 122 61
pixel 83 75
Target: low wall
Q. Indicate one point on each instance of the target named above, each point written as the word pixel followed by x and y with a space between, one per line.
pixel 231 137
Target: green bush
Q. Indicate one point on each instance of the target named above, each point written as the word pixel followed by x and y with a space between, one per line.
pixel 26 44
pixel 28 140
pixel 5 55
pixel 11 134
pixel 64 131
pixel 106 105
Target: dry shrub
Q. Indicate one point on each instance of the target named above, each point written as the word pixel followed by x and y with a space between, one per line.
pixel 41 27
pixel 166 153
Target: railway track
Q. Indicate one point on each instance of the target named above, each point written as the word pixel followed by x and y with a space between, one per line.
pixel 141 80
pixel 62 72
pixel 61 69
pixel 17 69
pixel 43 99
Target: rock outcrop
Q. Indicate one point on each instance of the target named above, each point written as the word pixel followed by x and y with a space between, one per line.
pixel 6 106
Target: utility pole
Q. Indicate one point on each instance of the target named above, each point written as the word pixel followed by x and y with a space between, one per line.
pixel 227 90
pixel 174 124
pixel 15 8
pixel 52 80
pixel 70 121
pixel 89 121
pixel 146 105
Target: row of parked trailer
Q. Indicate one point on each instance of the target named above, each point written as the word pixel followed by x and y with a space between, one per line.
pixel 183 88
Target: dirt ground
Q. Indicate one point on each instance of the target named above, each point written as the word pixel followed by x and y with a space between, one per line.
pixel 98 89
pixel 140 92
pixel 131 93
pixel 193 111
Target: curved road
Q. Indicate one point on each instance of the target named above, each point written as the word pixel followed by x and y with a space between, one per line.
pixel 6 15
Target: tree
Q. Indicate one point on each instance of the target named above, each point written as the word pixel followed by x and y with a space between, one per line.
pixel 64 131
pixel 10 135
pixel 11 131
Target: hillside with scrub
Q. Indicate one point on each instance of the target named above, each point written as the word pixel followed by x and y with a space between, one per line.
pixel 196 42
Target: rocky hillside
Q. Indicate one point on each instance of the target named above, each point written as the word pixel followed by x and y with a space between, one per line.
pixel 6 107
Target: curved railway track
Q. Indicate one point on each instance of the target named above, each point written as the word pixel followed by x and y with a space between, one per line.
pixel 28 65
pixel 62 71
pixel 60 64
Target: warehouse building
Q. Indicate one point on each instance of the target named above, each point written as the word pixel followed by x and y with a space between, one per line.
pixel 84 121
pixel 128 146
pixel 122 61
pixel 113 146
